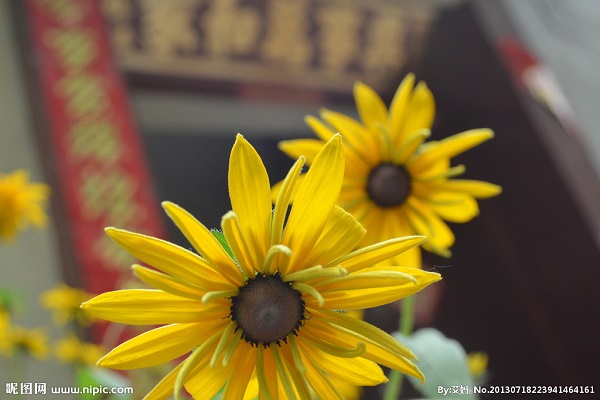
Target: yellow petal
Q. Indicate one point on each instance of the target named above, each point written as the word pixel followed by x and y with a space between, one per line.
pixel 309 148
pixel 453 207
pixel 428 223
pixel 341 235
pixel 421 111
pixel 250 193
pixel 373 254
pixel 151 307
pixel 169 258
pixel 360 139
pixel 160 345
pixel 204 242
pixel 371 109
pixel 357 371
pixel 315 200
pixel 207 381
pixel 410 145
pixel 167 283
pixel 377 296
pixel 238 244
pixel 399 109
pixel 243 363
pixel 451 146
pixel 376 352
pixel 320 129
pixel 477 189
pixel 285 194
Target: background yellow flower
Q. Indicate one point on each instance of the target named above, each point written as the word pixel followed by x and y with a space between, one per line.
pixel 21 203
pixel 395 183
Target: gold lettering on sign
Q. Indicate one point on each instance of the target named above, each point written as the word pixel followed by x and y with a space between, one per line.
pixel 119 13
pixel 384 49
pixel 230 29
pixel 167 27
pixel 339 36
pixel 287 40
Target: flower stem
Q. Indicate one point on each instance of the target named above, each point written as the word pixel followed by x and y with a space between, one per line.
pixel 407 322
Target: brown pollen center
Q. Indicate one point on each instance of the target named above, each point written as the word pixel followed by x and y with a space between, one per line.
pixel 388 185
pixel 267 310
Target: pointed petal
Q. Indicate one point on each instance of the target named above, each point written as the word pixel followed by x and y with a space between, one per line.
pixel 250 193
pixel 421 111
pixel 320 129
pixel 204 242
pixel 315 200
pixel 151 307
pixel 373 254
pixel 160 345
pixel 399 109
pixel 477 189
pixel 451 146
pixel 453 207
pixel 375 296
pixel 169 258
pixel 341 235
pixel 371 109
pixel 308 148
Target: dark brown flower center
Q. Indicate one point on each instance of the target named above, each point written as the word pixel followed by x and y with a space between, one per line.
pixel 388 185
pixel 267 310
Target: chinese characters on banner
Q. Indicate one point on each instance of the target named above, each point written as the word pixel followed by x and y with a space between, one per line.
pixel 320 45
pixel 98 159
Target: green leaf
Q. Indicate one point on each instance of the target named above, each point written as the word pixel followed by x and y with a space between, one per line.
pixel 223 242
pixel 444 363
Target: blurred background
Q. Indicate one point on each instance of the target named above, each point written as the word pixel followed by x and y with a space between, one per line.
pixel 120 104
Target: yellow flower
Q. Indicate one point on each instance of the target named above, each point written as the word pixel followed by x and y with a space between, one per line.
pixel 73 350
pixel 394 183
pixel 15 338
pixel 265 323
pixel 477 362
pixel 21 203
pixel 65 303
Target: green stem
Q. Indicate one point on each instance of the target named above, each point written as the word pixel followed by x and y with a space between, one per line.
pixel 407 323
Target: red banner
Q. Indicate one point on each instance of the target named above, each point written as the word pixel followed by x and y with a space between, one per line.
pixel 99 161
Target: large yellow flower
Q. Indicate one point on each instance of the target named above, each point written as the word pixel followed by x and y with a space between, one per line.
pixel 266 322
pixel 394 183
pixel 21 203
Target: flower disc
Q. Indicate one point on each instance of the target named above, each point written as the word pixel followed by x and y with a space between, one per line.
pixel 267 309
pixel 388 185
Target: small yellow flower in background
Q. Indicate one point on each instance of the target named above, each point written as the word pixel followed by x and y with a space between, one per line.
pixel 265 321
pixel 65 302
pixel 72 350
pixel 478 362
pixel 394 183
pixel 21 203
pixel 15 338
